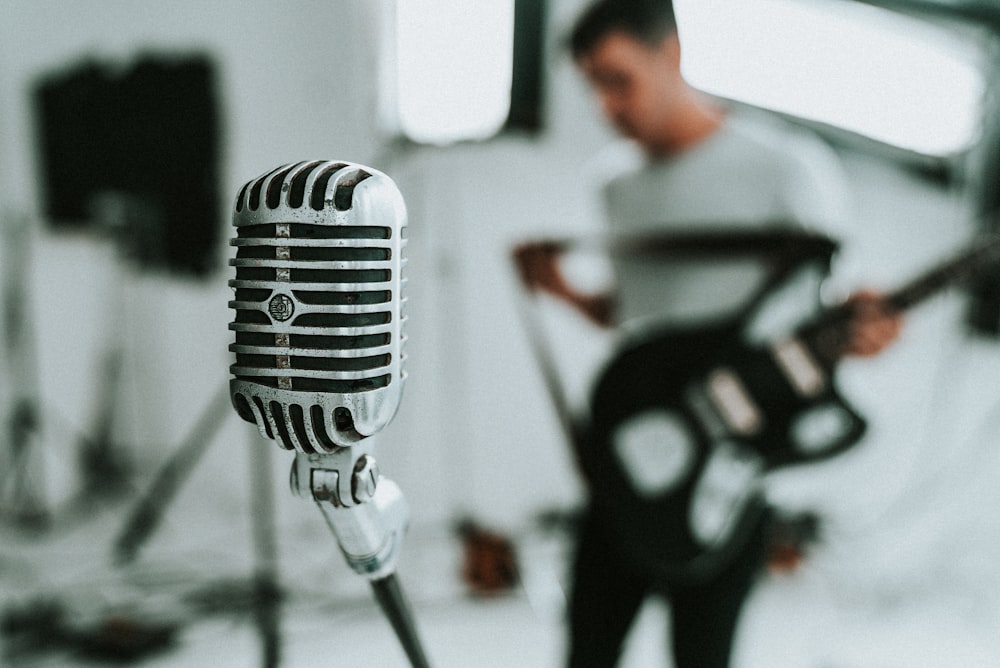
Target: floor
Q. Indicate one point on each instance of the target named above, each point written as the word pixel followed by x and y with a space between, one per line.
pixel 186 598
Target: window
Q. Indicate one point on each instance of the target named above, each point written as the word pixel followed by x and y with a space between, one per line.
pixel 454 64
pixel 884 75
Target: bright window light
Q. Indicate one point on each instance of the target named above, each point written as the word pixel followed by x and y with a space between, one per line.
pixel 892 78
pixel 454 68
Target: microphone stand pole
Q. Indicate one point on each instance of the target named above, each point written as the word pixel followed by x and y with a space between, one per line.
pixel 389 595
pixel 367 514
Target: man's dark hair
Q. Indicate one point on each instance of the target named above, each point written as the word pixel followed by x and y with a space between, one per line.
pixel 649 21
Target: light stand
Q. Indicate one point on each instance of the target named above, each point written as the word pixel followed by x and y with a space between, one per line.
pixel 145 518
pixel 22 480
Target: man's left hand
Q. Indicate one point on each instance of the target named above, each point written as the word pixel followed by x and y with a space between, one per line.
pixel 874 324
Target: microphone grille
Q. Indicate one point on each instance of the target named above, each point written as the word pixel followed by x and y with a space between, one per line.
pixel 318 306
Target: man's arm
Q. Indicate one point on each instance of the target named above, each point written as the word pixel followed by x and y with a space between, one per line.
pixel 539 268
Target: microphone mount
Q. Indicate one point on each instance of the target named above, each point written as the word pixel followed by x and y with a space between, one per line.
pixel 367 514
pixel 365 510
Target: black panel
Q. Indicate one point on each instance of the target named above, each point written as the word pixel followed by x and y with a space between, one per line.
pixel 527 83
pixel 148 136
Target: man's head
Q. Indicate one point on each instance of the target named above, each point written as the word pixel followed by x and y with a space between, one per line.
pixel 647 21
pixel 630 53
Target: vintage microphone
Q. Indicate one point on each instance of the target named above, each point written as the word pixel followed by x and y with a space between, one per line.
pixel 319 349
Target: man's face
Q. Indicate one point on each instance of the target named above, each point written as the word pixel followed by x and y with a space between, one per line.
pixel 635 83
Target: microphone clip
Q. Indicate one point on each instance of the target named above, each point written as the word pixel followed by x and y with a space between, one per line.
pixel 366 511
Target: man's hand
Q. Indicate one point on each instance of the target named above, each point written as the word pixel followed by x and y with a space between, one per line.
pixel 538 264
pixel 873 326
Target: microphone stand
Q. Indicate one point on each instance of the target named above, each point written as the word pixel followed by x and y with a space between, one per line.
pixel 367 514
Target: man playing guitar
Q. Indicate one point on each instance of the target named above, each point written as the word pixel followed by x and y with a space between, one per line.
pixel 698 161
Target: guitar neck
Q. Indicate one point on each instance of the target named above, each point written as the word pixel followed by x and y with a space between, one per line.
pixel 827 334
pixel 963 267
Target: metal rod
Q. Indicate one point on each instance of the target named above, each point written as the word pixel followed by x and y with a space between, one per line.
pixel 267 587
pixel 389 595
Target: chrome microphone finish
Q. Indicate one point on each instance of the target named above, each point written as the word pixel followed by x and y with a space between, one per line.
pixel 319 323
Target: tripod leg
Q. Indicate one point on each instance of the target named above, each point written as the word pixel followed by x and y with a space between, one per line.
pixel 20 496
pixel 146 515
pixel 22 482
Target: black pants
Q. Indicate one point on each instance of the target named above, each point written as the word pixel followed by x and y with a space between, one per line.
pixel 606 596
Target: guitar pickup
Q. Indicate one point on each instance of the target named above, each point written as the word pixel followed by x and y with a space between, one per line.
pixel 800 368
pixel 733 403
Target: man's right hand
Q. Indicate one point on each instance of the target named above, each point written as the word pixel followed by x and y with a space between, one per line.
pixel 538 264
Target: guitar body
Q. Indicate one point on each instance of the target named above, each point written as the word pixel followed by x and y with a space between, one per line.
pixel 684 425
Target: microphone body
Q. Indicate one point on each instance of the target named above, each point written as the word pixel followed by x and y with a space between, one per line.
pixel 319 337
pixel 319 349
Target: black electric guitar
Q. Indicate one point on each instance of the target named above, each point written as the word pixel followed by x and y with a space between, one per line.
pixel 686 423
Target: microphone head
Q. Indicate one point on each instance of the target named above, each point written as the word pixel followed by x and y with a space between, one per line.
pixel 319 336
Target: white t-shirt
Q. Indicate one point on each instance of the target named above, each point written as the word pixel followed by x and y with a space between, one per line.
pixel 754 172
